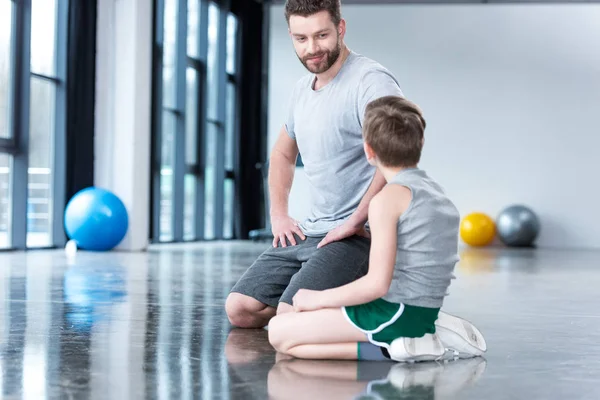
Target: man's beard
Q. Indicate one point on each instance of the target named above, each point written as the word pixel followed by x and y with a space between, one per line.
pixel 331 57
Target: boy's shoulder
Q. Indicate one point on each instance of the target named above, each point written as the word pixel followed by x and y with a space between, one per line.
pixel 390 202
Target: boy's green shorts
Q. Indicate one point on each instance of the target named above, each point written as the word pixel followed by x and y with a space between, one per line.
pixel 383 322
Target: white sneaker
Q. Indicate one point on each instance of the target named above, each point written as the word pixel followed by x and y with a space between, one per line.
pixel 460 336
pixel 426 348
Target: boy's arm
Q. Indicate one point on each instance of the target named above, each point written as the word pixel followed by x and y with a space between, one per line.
pixel 384 211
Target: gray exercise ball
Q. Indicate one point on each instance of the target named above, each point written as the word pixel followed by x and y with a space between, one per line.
pixel 517 226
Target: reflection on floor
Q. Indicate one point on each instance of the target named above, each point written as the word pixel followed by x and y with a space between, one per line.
pixel 152 325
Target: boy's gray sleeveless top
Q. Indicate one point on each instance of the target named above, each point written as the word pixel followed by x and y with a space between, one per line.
pixel 427 248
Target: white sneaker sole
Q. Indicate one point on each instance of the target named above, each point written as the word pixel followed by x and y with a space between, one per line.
pixel 460 335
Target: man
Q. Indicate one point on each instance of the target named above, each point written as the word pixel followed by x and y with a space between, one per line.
pixel 331 247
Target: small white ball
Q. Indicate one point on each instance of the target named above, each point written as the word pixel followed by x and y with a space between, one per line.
pixel 71 248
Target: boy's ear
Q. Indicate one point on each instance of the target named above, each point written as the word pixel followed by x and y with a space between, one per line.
pixel 371 157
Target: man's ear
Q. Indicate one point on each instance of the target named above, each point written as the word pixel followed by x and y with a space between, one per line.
pixel 342 28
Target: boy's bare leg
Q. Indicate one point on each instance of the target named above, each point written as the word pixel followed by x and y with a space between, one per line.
pixel 322 334
pixel 283 308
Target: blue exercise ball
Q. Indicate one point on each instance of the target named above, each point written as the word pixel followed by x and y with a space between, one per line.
pixel 96 219
pixel 517 226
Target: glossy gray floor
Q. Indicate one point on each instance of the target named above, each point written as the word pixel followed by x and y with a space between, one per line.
pixel 152 325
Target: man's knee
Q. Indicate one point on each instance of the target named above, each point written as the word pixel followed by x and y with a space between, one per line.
pixel 242 311
pixel 237 310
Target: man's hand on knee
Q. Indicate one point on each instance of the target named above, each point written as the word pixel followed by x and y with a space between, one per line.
pixel 284 227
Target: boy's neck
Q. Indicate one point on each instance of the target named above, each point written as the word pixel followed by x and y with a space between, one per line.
pixel 390 172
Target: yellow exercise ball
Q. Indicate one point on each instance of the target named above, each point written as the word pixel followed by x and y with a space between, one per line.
pixel 477 229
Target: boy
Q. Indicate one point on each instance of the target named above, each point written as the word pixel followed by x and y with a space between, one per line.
pixel 414 233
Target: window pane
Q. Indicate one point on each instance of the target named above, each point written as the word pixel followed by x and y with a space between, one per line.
pixel 191 117
pixel 232 27
pixel 193 28
pixel 210 189
pixel 212 61
pixel 169 53
pixel 230 126
pixel 43 36
pixel 166 177
pixel 6 10
pixel 39 185
pixel 228 210
pixel 5 197
pixel 189 208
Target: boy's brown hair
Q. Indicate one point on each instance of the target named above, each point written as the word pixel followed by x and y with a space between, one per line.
pixel 394 128
pixel 305 8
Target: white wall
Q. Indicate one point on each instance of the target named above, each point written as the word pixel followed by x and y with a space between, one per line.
pixel 123 110
pixel 511 94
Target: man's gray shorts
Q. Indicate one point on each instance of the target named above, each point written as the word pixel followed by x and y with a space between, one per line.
pixel 280 272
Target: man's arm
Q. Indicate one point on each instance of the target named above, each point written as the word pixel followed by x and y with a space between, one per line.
pixel 282 166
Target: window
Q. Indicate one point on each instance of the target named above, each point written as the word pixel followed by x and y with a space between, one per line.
pixel 166 176
pixel 230 124
pixel 195 100
pixel 32 76
pixel 6 60
pixel 39 180
pixel 5 197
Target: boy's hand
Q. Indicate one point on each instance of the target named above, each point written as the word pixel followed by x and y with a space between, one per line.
pixel 344 231
pixel 307 300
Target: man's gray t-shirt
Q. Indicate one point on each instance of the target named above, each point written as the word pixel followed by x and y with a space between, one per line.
pixel 327 126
